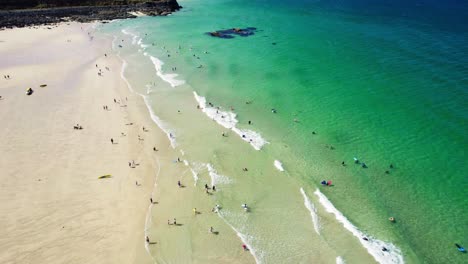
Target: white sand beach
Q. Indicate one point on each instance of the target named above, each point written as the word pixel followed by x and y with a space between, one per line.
pixel 53 208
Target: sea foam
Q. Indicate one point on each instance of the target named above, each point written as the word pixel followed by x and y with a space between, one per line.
pixel 244 238
pixel 313 211
pixel 216 178
pixel 340 260
pixel 373 246
pixel 161 124
pixel 229 121
pixel 278 165
pixel 168 77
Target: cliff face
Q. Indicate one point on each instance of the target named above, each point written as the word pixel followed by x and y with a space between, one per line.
pixel 24 4
pixel 21 13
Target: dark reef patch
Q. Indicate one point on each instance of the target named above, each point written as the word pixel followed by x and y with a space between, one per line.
pixel 232 32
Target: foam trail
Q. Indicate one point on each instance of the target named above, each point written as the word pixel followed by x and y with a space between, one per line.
pixel 215 177
pixel 243 238
pixel 161 124
pixel 154 117
pixel 228 120
pixel 122 75
pixel 340 260
pixel 195 176
pixel 278 165
pixel 135 37
pixel 169 77
pixel 313 211
pixel 148 220
pixel 373 246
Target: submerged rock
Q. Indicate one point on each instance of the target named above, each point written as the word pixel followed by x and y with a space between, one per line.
pixel 230 33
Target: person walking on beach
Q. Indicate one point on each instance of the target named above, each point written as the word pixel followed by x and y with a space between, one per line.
pixel 151 200
pixel 112 140
pixel 175 222
pixel 178 183
pixel 211 229
pixel 147 240
pixel 214 188
pixel 195 211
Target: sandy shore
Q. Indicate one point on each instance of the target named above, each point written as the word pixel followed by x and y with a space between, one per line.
pixel 53 207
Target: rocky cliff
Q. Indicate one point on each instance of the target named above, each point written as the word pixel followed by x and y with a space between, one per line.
pixel 20 13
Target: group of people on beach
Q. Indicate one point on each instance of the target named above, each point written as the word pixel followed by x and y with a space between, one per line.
pixel 6 77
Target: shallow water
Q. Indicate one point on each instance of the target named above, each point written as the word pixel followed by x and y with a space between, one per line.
pixel 379 82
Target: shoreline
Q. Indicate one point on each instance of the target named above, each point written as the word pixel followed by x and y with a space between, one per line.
pixel 136 41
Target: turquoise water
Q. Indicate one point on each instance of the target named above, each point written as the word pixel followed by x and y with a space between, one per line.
pixel 384 83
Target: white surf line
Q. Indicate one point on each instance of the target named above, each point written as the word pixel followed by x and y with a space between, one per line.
pixel 313 211
pixel 229 121
pixel 243 238
pixel 122 74
pixel 216 178
pixel 340 260
pixel 373 246
pixel 170 78
pixel 194 174
pixel 161 124
pixel 278 165
pixel 149 219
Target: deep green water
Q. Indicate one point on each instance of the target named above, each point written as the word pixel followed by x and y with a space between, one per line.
pixel 383 83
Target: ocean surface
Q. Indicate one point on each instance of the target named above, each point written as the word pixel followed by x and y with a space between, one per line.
pixel 321 82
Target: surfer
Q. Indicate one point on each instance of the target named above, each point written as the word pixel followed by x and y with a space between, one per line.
pixel 246 208
pixel 460 248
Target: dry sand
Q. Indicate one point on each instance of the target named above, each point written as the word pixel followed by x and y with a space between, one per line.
pixel 53 207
